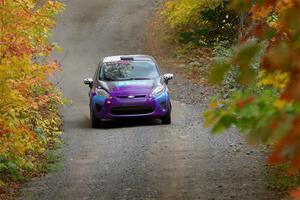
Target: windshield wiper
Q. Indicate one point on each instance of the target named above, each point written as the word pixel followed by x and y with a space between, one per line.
pixel 124 79
pixel 140 78
pixel 109 79
pixel 131 79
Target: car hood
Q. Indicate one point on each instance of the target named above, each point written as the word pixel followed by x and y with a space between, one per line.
pixel 132 87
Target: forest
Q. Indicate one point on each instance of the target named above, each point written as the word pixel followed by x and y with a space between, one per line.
pixel 254 65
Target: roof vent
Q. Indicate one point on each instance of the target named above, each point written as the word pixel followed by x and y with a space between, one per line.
pixel 127 58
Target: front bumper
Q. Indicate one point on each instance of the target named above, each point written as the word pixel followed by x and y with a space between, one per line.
pixel 145 107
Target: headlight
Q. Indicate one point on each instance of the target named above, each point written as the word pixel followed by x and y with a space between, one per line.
pixel 102 93
pixel 158 90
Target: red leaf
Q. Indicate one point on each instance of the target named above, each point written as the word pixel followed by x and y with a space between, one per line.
pixel 240 104
pixel 250 99
pixel 275 158
pixel 295 194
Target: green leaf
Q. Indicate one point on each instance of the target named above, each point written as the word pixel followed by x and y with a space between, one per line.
pixel 245 56
pixel 270 33
pixel 241 5
pixel 40 134
pixel 247 75
pixel 246 53
pixel 218 72
pixel 3 167
pixel 224 122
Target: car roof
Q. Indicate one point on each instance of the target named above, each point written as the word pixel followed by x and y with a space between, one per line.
pixel 128 57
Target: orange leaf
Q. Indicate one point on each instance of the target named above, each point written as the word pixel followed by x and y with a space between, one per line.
pixel 295 194
pixel 275 158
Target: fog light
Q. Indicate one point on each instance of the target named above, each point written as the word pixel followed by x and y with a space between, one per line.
pixel 163 105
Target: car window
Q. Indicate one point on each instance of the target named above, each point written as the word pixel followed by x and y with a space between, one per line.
pixel 128 70
pixel 96 75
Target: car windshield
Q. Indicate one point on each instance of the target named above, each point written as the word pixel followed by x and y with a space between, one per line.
pixel 128 70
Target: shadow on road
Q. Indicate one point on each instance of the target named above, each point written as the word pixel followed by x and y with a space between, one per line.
pixel 128 123
pixel 84 123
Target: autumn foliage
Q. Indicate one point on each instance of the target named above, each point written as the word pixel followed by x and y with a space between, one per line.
pixel 268 107
pixel 29 117
pixel 201 22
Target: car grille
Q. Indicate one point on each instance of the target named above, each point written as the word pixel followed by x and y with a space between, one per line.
pixel 131 110
pixel 134 96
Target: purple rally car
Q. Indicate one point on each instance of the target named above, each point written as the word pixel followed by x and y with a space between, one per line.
pixel 129 86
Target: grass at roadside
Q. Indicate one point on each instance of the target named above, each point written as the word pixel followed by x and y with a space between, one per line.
pixel 52 160
pixel 48 162
pixel 278 179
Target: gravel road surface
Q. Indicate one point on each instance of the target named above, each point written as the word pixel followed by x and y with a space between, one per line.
pixel 137 160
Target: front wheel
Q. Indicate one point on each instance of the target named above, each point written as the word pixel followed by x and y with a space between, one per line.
pixel 95 122
pixel 166 119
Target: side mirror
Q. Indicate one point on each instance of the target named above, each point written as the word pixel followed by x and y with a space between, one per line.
pixel 167 77
pixel 89 82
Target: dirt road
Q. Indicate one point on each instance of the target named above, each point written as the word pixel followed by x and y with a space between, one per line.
pixel 139 160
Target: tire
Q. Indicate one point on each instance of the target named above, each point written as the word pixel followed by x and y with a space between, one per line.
pixel 95 122
pixel 166 119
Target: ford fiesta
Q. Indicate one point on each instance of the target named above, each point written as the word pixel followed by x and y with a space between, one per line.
pixel 128 87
